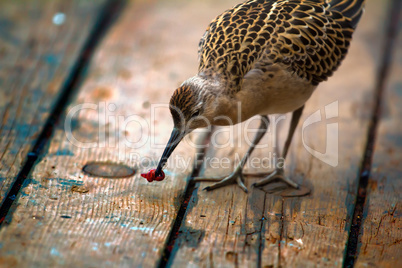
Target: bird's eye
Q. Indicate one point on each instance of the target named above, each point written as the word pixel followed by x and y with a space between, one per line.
pixel 195 114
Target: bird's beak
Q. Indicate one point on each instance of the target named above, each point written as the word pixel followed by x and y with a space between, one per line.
pixel 174 140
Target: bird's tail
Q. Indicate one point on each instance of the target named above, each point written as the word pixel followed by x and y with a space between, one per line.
pixel 352 9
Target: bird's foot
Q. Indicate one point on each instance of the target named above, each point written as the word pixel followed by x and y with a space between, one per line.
pixel 235 178
pixel 276 175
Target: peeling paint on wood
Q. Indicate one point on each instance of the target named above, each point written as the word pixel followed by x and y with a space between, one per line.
pixel 33 66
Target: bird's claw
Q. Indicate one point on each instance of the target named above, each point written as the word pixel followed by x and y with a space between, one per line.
pixel 234 178
pixel 238 178
pixel 276 175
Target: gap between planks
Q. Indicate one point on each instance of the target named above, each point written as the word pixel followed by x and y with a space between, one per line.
pixel 109 12
pixel 168 252
pixel 365 169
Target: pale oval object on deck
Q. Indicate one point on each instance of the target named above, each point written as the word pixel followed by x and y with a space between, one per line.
pixel 108 170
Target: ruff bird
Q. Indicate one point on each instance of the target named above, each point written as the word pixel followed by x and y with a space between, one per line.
pixel 268 55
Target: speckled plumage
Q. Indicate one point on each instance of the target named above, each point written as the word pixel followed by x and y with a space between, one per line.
pixel 309 37
pixel 272 52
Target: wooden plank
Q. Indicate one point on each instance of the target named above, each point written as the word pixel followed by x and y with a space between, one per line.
pixel 39 43
pixel 67 218
pixel 266 230
pixel 381 235
pixel 223 228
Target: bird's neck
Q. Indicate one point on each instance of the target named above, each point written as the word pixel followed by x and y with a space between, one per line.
pixel 224 109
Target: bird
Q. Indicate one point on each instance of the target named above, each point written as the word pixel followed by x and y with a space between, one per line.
pixel 269 56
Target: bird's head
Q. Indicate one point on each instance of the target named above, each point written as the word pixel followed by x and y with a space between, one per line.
pixel 191 107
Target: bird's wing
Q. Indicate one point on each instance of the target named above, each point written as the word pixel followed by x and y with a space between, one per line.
pixel 308 36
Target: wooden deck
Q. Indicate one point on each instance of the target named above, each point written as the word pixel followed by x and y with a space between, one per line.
pixel 85 81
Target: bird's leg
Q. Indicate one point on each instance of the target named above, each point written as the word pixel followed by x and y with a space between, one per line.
pixel 237 175
pixel 278 172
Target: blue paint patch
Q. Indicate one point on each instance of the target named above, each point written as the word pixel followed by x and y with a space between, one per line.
pixel 63 152
pixel 55 252
pixel 141 229
pixel 75 124
pixel 68 183
pixel 52 59
pixel 29 181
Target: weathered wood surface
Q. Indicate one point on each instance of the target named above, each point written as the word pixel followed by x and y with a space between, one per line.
pixel 226 227
pixel 381 234
pixel 64 217
pixel 37 50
